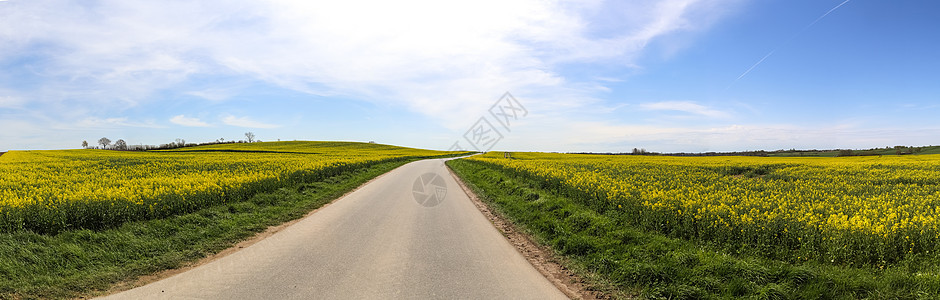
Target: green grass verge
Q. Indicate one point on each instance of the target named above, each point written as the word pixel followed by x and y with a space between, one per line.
pixel 81 263
pixel 655 266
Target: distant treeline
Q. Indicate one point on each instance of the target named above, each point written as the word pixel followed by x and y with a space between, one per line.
pixel 175 145
pixel 742 153
pixel 159 147
pixel 636 151
pixel 121 145
pixel 895 150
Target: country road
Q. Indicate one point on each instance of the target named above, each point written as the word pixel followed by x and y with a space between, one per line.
pixel 391 239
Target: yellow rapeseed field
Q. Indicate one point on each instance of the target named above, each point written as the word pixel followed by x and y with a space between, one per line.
pixel 48 191
pixel 852 210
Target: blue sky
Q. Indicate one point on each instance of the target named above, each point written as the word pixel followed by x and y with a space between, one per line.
pixel 668 76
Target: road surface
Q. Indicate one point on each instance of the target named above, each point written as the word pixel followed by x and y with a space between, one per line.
pixel 391 239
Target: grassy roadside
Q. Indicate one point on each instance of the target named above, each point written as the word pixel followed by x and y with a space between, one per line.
pixel 655 266
pixel 81 263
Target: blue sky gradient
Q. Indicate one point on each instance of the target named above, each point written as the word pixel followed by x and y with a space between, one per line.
pixel 601 76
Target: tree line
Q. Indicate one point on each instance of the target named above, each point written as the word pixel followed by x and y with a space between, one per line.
pixel 895 150
pixel 121 145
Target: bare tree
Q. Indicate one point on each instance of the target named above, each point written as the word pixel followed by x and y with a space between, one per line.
pixel 85 144
pixel 120 145
pixel 250 136
pixel 104 142
pixel 180 142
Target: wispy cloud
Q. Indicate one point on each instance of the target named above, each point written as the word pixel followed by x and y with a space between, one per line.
pixel 94 122
pixel 187 121
pixel 112 56
pixel 600 136
pixel 386 53
pixel 246 122
pixel 214 94
pixel 686 107
pixel 10 102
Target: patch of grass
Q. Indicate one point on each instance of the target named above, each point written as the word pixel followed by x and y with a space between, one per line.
pixel 655 266
pixel 79 263
pixel 868 152
pixel 930 150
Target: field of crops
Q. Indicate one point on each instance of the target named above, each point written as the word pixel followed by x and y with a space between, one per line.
pixel 871 211
pixel 50 191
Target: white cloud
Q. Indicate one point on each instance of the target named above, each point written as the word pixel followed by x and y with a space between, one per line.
pixel 412 52
pixel 246 122
pixel 10 102
pixel 568 135
pixel 187 121
pixel 97 123
pixel 686 107
pixel 214 94
pixel 444 59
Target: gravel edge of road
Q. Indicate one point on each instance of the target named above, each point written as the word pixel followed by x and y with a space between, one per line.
pixel 540 257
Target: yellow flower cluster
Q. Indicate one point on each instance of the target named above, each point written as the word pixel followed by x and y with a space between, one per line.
pixel 35 186
pixel 866 210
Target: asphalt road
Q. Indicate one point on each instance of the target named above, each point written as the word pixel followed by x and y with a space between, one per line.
pixel 391 239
